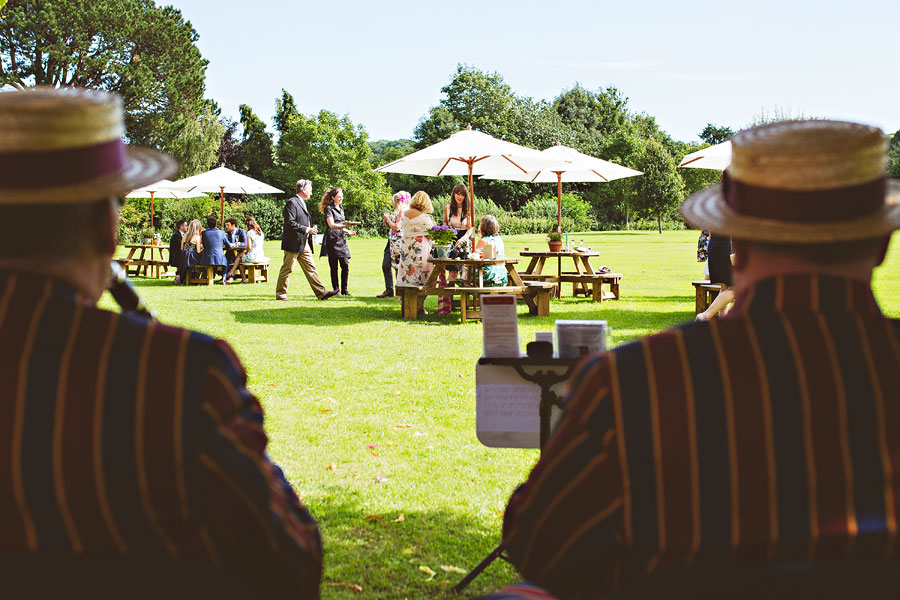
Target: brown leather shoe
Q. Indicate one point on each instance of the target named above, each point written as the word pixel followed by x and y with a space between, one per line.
pixel 385 294
pixel 330 294
pixel 281 297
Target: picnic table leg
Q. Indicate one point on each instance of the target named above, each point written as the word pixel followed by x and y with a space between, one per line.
pixel 463 307
pixel 614 287
pixel 542 300
pixel 597 295
pixel 210 275
pixel 410 304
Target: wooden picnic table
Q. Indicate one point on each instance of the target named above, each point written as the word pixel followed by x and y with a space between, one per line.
pixel 585 279
pixel 135 266
pixel 535 294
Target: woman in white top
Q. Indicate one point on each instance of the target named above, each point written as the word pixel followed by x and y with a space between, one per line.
pixel 415 244
pixel 255 241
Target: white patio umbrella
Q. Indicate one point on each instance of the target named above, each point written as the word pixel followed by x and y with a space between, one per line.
pixel 571 166
pixel 223 179
pixel 713 157
pixel 468 152
pixel 159 189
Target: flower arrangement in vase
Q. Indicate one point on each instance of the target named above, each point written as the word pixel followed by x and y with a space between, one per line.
pixel 442 236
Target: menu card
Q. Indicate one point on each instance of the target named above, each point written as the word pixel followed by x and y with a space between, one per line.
pixel 500 326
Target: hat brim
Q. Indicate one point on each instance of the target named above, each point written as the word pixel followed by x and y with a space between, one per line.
pixel 707 210
pixel 143 166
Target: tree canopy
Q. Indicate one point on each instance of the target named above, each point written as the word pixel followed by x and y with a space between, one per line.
pixel 894 155
pixel 145 53
pixel 714 134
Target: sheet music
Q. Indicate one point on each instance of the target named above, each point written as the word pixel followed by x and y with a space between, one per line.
pixel 504 407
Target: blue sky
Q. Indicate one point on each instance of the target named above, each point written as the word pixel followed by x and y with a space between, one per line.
pixel 686 63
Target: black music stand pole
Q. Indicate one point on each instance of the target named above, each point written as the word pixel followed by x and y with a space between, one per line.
pixel 546 379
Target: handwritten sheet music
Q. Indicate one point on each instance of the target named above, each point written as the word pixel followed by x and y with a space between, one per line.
pixel 505 407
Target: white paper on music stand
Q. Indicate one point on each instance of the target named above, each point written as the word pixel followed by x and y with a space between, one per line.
pixel 499 326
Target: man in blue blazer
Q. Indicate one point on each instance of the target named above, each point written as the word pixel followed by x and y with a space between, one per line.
pixel 237 237
pixel 214 243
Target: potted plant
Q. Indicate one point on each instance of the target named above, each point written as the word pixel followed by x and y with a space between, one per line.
pixel 442 237
pixel 146 237
pixel 554 240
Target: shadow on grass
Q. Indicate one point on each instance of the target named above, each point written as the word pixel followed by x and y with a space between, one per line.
pixel 382 552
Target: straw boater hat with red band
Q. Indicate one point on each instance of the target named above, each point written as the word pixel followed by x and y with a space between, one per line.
pixel 802 182
pixel 61 146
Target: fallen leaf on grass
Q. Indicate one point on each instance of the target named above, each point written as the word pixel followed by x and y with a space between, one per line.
pixel 400 518
pixel 381 479
pixel 402 425
pixel 375 453
pixel 371 446
pixel 452 569
pixel 331 467
pixel 324 410
pixel 427 571
pixel 352 586
pixel 374 517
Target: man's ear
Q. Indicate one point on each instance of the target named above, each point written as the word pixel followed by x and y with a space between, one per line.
pixel 740 254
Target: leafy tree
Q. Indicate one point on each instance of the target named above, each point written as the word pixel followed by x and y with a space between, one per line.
pixel 894 155
pixel 145 53
pixel 196 143
pixel 594 117
pixel 713 134
pixel 661 190
pixel 256 145
pixel 332 152
pixel 231 154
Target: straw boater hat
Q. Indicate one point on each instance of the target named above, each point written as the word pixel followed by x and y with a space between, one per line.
pixel 802 182
pixel 65 145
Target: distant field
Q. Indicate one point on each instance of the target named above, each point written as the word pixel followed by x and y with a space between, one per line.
pixel 373 418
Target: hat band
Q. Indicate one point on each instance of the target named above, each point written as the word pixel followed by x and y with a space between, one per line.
pixel 54 168
pixel 804 206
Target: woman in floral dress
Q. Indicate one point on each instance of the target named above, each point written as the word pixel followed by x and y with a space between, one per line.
pixel 415 245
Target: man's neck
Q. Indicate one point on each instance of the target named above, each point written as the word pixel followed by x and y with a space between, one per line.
pixel 89 276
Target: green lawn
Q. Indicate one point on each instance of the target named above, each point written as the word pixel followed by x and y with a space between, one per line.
pixel 373 418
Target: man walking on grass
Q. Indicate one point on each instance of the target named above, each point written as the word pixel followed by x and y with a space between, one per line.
pixel 297 241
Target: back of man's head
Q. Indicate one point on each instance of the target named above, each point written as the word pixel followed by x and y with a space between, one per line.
pixel 62 159
pixel 812 194
pixel 211 221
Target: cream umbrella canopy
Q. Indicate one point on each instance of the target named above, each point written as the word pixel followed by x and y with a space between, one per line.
pixel 160 189
pixel 223 179
pixel 571 166
pixel 469 152
pixel 713 157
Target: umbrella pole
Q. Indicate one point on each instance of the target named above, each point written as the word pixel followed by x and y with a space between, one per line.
pixel 151 213
pixel 559 202
pixel 222 192
pixel 471 198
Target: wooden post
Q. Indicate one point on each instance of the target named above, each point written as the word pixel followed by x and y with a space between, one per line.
pixel 222 192
pixel 559 201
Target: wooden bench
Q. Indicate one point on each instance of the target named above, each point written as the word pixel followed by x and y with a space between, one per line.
pixel 156 266
pixel 249 271
pixel 705 293
pixel 581 281
pixel 536 294
pixel 201 274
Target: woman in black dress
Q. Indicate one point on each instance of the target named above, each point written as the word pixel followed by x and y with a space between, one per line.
pixel 334 245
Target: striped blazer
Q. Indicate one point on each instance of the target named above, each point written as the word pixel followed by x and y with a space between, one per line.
pixel 122 436
pixel 769 436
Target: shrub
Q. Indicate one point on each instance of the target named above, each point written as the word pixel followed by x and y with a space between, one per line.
pixel 574 209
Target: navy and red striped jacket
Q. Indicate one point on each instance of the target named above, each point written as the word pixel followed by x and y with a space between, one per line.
pixel 122 436
pixel 771 435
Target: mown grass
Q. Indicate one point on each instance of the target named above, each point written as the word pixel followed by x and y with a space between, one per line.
pixel 373 418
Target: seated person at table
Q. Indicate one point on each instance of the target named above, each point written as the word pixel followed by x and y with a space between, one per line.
pixel 214 243
pixel 255 241
pixel 175 249
pixel 191 247
pixel 489 230
pixel 754 456
pixel 237 237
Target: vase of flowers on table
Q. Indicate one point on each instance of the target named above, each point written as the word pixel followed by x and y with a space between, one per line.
pixel 554 241
pixel 442 237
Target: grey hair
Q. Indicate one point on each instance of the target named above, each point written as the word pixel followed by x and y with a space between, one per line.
pixel 302 183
